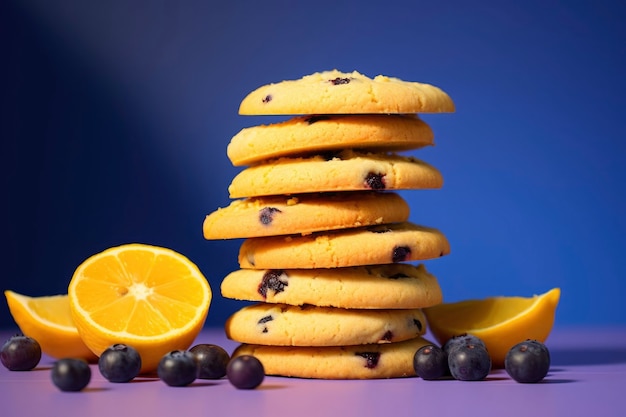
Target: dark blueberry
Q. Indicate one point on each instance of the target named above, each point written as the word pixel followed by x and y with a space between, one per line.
pixel 211 360
pixel 400 253
pixel 267 98
pixel 71 374
pixel 528 361
pixel 469 362
pixel 266 215
pixel 178 368
pixel 264 320
pixel 371 358
pixel 314 119
pixel 20 353
pixel 245 372
pixel 387 336
pixel 119 363
pixel 275 280
pixel 339 81
pixel 418 324
pixel 430 362
pixel 462 339
pixel 375 181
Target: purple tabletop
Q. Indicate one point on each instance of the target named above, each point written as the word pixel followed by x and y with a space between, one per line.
pixel 587 377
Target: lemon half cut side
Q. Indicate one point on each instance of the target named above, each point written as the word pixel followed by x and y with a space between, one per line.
pixel 151 298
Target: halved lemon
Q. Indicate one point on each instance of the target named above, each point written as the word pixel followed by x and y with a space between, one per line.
pixel 48 320
pixel 148 297
pixel 501 322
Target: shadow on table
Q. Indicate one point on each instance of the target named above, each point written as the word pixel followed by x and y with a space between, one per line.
pixel 590 356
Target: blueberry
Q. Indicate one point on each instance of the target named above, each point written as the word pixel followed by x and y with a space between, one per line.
pixel 400 254
pixel 119 363
pixel 375 181
pixel 178 368
pixel 430 362
pixel 266 215
pixel 245 372
pixel 462 339
pixel 211 360
pixel 71 374
pixel 275 280
pixel 20 353
pixel 339 81
pixel 528 361
pixel 371 358
pixel 469 362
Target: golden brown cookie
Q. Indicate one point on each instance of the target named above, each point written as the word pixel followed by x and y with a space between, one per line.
pixel 384 244
pixel 401 285
pixel 389 360
pixel 303 214
pixel 305 135
pixel 343 171
pixel 336 92
pixel 308 325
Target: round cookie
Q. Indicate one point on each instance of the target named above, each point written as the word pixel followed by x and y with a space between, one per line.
pixel 336 92
pixel 308 134
pixel 390 243
pixel 403 286
pixel 345 171
pixel 308 325
pixel 388 360
pixel 306 213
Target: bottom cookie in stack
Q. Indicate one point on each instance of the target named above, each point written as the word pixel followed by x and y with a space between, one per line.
pixel 360 322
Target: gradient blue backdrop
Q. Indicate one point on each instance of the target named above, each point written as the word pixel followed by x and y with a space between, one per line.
pixel 116 115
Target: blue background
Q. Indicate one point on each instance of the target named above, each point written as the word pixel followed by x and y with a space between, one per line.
pixel 116 115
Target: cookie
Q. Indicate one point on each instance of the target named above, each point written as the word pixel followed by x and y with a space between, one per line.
pixel 389 360
pixel 336 92
pixel 304 135
pixel 344 171
pixel 304 214
pixel 308 325
pixel 387 286
pixel 390 243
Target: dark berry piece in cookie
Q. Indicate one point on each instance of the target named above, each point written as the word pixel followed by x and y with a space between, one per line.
pixel 400 253
pixel 264 320
pixel 371 358
pixel 387 336
pixel 275 280
pixel 375 181
pixel 266 215
pixel 339 81
pixel 418 324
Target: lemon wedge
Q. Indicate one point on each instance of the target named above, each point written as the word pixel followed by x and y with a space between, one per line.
pixel 48 320
pixel 501 322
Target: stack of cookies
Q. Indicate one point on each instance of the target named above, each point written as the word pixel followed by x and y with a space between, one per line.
pixel 327 250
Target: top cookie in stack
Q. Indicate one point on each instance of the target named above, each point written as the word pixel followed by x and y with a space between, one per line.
pixel 327 238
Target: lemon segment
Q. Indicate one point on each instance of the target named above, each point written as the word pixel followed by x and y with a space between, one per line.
pixel 501 322
pixel 48 320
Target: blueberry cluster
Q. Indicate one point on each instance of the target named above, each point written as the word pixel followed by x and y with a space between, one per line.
pixel 121 363
pixel 466 358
